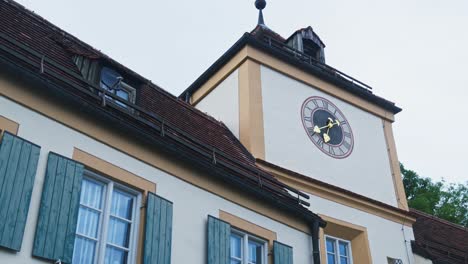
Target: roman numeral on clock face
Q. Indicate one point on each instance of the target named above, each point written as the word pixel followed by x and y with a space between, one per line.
pixel 346 145
pixel 320 141
pixel 325 104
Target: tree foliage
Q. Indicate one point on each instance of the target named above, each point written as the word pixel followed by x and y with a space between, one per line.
pixel 448 201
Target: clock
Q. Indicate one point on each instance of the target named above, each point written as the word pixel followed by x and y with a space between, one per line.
pixel 327 127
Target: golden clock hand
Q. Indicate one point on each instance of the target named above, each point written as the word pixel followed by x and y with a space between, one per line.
pixel 319 129
pixel 329 125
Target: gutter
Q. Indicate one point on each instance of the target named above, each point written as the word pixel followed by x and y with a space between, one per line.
pixel 192 156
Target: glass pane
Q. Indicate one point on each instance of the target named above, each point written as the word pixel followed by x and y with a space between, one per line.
pixel 108 78
pixel 330 259
pixel 83 251
pixel 118 232
pixel 233 261
pixel 123 94
pixel 91 194
pixel 115 256
pixel 255 252
pixel 344 260
pixel 122 204
pixel 88 222
pixel 236 246
pixel 343 248
pixel 330 245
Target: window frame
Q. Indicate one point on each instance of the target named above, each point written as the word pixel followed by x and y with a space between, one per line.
pixel 109 186
pixel 337 249
pixel 246 237
pixel 123 86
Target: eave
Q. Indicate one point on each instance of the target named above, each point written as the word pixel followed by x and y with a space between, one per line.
pixel 314 68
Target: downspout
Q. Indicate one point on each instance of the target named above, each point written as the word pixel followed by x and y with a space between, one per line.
pixel 315 226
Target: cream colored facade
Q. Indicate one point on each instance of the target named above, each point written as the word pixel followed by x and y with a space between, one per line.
pixel 194 194
pixel 270 94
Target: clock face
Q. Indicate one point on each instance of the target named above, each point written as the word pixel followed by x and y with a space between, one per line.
pixel 327 127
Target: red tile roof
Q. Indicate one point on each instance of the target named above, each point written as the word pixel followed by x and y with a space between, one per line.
pixel 59 46
pixel 439 240
pixel 31 43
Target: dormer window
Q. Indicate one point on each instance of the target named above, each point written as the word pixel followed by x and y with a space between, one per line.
pixel 311 49
pixel 113 82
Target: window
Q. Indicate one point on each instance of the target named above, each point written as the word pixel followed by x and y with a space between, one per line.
pixel 108 218
pixel 394 261
pixel 338 251
pixel 113 82
pixel 246 249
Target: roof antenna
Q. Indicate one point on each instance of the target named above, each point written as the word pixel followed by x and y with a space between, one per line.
pixel 260 5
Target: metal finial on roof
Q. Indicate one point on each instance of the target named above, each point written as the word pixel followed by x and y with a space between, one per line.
pixel 260 5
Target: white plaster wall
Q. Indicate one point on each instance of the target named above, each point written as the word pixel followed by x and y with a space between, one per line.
pixel 222 102
pixel 386 238
pixel 420 260
pixel 366 171
pixel 192 205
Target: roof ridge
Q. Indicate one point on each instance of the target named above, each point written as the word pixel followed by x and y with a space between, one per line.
pixel 85 45
pixel 435 218
pixel 71 37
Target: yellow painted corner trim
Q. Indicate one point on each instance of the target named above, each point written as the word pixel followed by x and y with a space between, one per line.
pixel 356 234
pixel 218 77
pixel 114 172
pixel 326 191
pixel 8 125
pixel 251 130
pixel 311 80
pixel 262 58
pixel 250 228
pixel 395 166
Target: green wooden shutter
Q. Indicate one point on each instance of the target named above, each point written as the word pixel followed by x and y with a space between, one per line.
pixel 158 230
pixel 219 246
pixel 18 165
pixel 58 213
pixel 282 254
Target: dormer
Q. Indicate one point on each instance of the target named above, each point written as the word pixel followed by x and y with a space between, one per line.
pixel 109 77
pixel 308 42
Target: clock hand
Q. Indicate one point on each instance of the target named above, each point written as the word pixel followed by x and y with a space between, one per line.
pixel 329 125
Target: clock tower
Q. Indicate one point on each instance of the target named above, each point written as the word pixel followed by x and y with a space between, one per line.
pixel 315 128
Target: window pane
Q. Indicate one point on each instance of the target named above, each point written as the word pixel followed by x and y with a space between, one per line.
pixel 123 94
pixel 233 261
pixel 330 245
pixel 91 194
pixel 343 248
pixel 122 204
pixel 88 222
pixel 115 256
pixel 330 259
pixel 118 232
pixel 255 252
pixel 236 246
pixel 83 251
pixel 108 78
pixel 344 260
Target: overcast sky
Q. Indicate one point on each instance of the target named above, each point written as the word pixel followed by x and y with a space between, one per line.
pixel 413 52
